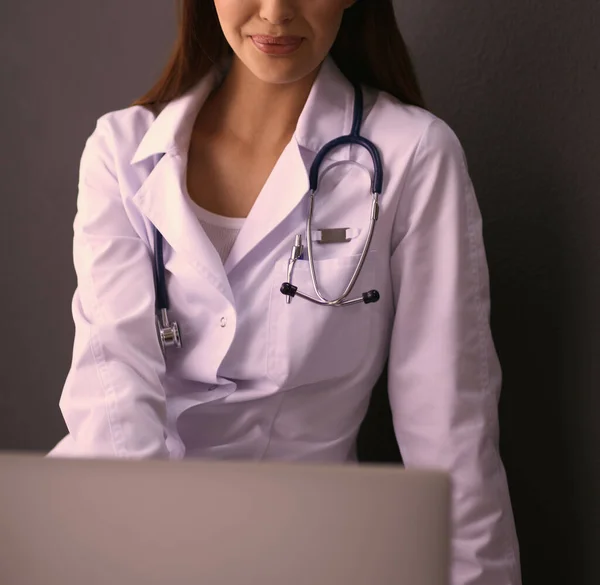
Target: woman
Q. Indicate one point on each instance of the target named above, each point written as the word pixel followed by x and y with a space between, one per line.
pixel 216 159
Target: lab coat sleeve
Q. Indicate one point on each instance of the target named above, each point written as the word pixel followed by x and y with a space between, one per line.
pixel 444 375
pixel 113 401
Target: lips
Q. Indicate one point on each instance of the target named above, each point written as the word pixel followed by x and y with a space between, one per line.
pixel 269 40
pixel 277 46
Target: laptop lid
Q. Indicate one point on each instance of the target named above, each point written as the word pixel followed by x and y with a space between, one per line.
pixel 73 522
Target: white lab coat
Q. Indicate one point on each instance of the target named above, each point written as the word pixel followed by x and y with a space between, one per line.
pixel 258 378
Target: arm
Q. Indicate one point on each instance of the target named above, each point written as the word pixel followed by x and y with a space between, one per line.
pixel 444 374
pixel 113 401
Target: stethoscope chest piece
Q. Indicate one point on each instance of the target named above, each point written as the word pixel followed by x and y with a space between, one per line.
pixel 168 331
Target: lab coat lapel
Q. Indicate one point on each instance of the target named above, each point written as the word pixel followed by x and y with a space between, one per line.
pixel 163 200
pixel 283 191
pixel 326 115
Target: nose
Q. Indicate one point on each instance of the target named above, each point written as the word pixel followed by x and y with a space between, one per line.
pixel 277 11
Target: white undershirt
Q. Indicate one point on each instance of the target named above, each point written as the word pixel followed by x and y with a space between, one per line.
pixel 221 231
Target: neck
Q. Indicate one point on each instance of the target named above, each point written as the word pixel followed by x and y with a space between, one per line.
pixel 254 112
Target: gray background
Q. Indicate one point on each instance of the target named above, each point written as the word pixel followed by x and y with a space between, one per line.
pixel 519 82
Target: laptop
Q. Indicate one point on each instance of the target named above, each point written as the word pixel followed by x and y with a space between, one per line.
pixel 94 522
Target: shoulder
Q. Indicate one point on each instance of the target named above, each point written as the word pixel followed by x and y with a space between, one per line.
pixel 403 129
pixel 121 131
pixel 112 144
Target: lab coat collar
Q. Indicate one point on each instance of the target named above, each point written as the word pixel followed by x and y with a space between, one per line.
pixel 331 94
pixel 171 131
pixel 328 111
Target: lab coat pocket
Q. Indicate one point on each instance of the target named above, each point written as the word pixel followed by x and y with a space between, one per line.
pixel 310 343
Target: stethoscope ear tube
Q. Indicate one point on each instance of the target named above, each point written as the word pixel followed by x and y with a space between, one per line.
pixel 290 291
pixel 354 137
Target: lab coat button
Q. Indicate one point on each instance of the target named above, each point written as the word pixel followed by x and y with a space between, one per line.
pixel 223 322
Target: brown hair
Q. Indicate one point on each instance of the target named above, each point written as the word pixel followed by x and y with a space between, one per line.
pixel 369 50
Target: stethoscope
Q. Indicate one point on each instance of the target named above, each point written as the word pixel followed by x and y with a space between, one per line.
pixel 168 331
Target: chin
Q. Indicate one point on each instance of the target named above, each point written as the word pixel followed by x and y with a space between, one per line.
pixel 271 77
pixel 281 71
